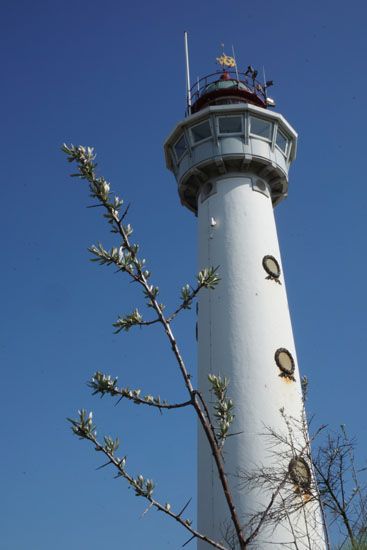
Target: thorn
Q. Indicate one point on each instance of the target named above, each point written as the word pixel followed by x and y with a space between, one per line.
pixel 187 542
pixel 146 510
pixel 104 465
pixel 184 508
pixel 125 212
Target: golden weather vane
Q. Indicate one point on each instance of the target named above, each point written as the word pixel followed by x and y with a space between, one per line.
pixel 226 60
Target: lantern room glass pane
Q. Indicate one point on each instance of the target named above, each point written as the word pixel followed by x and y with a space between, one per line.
pixel 230 125
pixel 180 147
pixel 281 141
pixel 260 127
pixel 201 131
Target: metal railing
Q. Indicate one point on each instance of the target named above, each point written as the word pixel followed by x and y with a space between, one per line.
pixel 252 85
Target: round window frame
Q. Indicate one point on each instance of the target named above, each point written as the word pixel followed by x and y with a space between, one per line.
pixel 285 371
pixel 303 485
pixel 269 271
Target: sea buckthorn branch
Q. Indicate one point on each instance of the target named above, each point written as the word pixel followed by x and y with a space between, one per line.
pixel 104 384
pixel 84 428
pixel 126 259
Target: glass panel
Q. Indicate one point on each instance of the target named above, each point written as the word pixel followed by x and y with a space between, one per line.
pixel 180 147
pixel 260 127
pixel 230 125
pixel 227 84
pixel 285 361
pixel 281 141
pixel 271 266
pixel 209 88
pixel 201 131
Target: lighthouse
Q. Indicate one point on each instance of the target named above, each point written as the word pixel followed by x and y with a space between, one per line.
pixel 230 156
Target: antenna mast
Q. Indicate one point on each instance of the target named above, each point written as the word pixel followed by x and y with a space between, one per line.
pixel 264 78
pixel 188 85
pixel 235 61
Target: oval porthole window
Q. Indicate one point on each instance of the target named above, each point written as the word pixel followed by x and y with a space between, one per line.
pixel 271 267
pixel 300 473
pixel 285 362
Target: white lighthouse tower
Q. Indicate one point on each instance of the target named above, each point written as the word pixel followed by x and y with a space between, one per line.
pixel 231 156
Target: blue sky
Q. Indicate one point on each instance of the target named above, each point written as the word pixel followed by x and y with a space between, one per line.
pixel 112 76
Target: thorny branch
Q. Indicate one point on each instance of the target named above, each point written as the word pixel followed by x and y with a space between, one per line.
pixel 126 259
pixel 102 384
pixel 84 429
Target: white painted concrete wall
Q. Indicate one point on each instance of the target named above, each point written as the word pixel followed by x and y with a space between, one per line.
pixel 240 326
